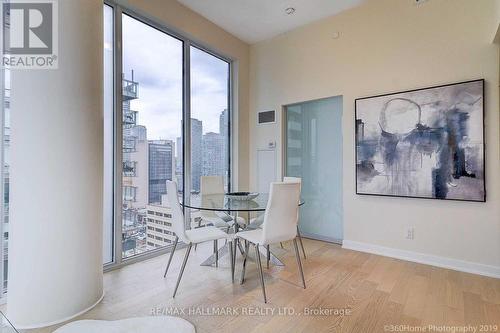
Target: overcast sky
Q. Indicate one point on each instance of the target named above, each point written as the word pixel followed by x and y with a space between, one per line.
pixel 156 59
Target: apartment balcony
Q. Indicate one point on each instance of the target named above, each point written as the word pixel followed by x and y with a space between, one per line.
pixel 129 118
pixel 129 168
pixel 129 193
pixel 129 88
pixel 6 99
pixel 129 144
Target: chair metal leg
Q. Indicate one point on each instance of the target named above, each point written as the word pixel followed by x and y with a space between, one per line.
pixel 216 252
pixel 281 244
pixel 268 256
pixel 257 254
pixel 227 232
pixel 231 252
pixel 242 250
pixel 199 225
pixel 299 263
pixel 245 255
pixel 301 244
pixel 182 268
pixel 235 252
pixel 171 255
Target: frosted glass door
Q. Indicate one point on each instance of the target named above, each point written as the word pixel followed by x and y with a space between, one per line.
pixel 314 153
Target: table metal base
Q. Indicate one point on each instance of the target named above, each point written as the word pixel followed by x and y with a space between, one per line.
pixel 223 251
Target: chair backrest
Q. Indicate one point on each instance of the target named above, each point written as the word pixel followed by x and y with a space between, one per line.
pixel 177 215
pixel 212 185
pixel 293 180
pixel 281 216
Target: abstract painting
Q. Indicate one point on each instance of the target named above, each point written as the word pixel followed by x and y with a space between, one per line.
pixel 424 143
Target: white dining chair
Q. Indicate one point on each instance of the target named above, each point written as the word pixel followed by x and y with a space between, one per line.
pixel 215 185
pixel 192 236
pixel 280 225
pixel 299 181
pixel 257 222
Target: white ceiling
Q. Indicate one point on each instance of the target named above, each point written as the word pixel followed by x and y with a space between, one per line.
pixel 256 20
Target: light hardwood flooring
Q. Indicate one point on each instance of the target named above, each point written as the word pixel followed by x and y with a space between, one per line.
pixel 378 291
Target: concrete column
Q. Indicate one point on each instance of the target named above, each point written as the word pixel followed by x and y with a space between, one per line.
pixel 55 246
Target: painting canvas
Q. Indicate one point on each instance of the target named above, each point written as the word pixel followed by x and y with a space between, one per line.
pixel 425 143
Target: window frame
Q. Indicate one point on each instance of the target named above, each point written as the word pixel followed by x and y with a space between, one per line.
pixel 3 288
pixel 118 9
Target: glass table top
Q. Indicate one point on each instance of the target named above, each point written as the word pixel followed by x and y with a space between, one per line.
pixel 220 202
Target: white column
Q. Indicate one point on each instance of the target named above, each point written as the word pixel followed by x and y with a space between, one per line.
pixel 55 246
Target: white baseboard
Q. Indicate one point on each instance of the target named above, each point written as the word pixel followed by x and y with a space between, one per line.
pixel 320 237
pixel 422 258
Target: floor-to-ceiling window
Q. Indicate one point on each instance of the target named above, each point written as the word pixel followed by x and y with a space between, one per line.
pixel 108 133
pixel 209 117
pixel 147 125
pixel 5 168
pixel 5 184
pixel 151 128
pixel 210 139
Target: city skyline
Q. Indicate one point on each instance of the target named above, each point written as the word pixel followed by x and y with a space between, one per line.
pixel 152 127
pixel 161 80
pixel 148 163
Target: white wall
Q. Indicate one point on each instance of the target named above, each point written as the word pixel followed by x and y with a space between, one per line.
pixel 389 46
pixel 55 246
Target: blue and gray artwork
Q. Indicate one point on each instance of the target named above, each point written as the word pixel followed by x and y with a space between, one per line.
pixel 425 143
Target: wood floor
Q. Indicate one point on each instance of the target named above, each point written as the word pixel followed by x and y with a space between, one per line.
pixel 376 291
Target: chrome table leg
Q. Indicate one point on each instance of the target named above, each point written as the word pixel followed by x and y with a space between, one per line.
pixel 245 256
pixel 216 252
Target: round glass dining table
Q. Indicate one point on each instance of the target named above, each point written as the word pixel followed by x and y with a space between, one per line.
pixel 231 206
pixel 223 203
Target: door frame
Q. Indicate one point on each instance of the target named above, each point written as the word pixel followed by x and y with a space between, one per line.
pixel 284 141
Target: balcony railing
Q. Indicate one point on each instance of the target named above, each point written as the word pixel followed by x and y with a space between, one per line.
pixel 6 100
pixel 129 168
pixel 129 118
pixel 129 144
pixel 129 193
pixel 129 89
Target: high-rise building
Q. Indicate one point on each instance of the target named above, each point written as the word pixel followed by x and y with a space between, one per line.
pixel 159 231
pixel 135 172
pixel 179 158
pixel 196 154
pixel 161 168
pixel 213 154
pixel 224 131
pixel 224 123
pixel 159 224
pixel 4 227
pixel 135 167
